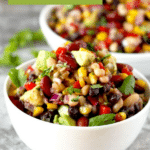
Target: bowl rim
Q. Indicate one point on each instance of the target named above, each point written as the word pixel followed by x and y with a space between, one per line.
pixel 30 62
pixel 43 22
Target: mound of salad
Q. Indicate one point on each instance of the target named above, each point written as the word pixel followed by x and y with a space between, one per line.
pixel 118 25
pixel 77 86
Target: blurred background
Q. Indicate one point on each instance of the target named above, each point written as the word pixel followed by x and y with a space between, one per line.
pixel 12 19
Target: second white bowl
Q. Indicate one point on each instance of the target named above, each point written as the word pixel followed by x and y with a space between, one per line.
pixel 139 61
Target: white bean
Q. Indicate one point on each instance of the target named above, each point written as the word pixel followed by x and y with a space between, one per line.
pixel 72 103
pixel 104 79
pixel 50 62
pixel 118 106
pixel 132 99
pixel 85 90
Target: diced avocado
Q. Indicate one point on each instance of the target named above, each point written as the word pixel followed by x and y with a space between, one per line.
pixel 83 57
pixel 41 63
pixel 66 120
pixel 33 97
pixel 55 120
pixel 63 110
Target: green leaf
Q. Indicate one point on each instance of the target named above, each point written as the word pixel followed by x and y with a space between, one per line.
pixel 103 21
pixel 102 120
pixel 18 77
pixel 96 86
pixel 75 99
pixel 53 55
pixel 47 71
pixel 127 86
pixel 106 56
pixel 34 53
pixel 90 32
pixel 71 90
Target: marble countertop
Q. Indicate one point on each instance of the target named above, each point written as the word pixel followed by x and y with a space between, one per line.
pixel 12 19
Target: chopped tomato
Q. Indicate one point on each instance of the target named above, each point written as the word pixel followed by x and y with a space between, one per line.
pixel 104 110
pixel 29 85
pixel 102 28
pixel 101 65
pixel 77 85
pixel 118 118
pixel 61 50
pixel 83 122
pixel 126 70
pixel 93 100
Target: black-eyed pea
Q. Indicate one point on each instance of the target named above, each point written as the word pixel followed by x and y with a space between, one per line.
pixel 113 47
pixel 85 90
pixel 118 106
pixel 104 79
pixel 50 62
pixel 71 101
pixel 128 26
pixel 82 100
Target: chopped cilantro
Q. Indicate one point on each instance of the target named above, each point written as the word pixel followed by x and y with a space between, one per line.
pixel 90 47
pixel 128 85
pixel 75 99
pixel 47 71
pixel 90 32
pixel 64 65
pixel 34 53
pixel 18 77
pixel 71 90
pixel 103 21
pixel 102 120
pixel 96 86
pixel 53 55
pixel 106 56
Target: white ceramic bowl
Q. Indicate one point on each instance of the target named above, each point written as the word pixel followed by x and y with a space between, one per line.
pixel 41 135
pixel 139 61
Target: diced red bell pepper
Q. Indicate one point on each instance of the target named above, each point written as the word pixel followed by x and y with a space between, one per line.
pixel 138 49
pixel 29 85
pixel 120 66
pixel 104 110
pixel 133 4
pixel 74 25
pixel 131 34
pixel 64 35
pixel 29 68
pixel 93 100
pixel 101 65
pixel 102 28
pixel 61 50
pixel 107 7
pixel 77 85
pixel 126 70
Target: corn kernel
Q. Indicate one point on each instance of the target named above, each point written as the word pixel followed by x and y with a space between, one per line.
pixel 12 90
pixel 141 83
pixel 138 30
pixel 85 110
pixel 123 75
pixel 82 82
pixel 148 14
pixel 82 72
pixel 133 12
pixel 65 92
pixel 129 49
pixel 130 19
pixel 123 115
pixel 66 43
pixel 101 36
pixel 51 106
pixel 86 14
pixel 93 78
pixel 70 81
pixel 87 38
pixel 146 47
pixel 37 111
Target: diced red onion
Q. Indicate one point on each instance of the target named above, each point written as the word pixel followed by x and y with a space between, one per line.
pixel 56 97
pixel 66 99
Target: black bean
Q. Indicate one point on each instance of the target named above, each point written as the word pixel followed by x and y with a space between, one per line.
pixel 74 112
pixel 32 77
pixel 131 110
pixel 113 98
pixel 94 91
pixel 106 88
pixel 48 116
pixel 115 2
pixel 138 107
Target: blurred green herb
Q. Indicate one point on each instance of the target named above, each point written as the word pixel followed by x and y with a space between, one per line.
pixel 20 39
pixel 34 53
pixel 90 47
pixel 18 77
